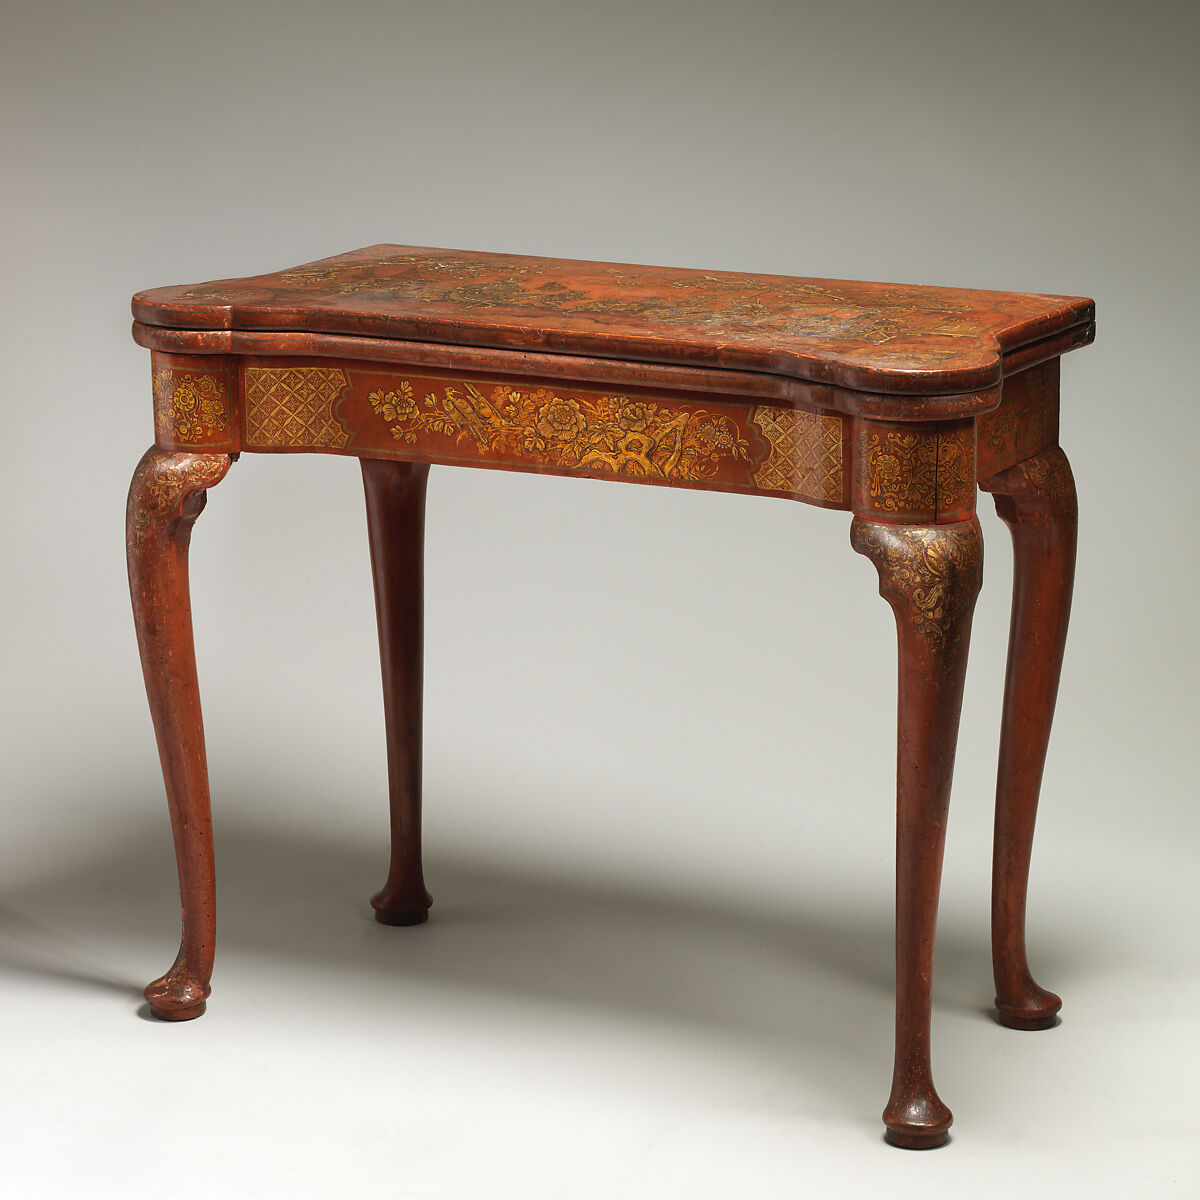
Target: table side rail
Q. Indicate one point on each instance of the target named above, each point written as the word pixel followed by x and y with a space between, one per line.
pixel 891 471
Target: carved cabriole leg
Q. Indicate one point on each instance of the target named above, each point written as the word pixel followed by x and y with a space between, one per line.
pixel 1036 499
pixel 930 575
pixel 165 498
pixel 396 525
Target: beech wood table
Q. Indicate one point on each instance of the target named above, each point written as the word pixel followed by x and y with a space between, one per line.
pixel 890 402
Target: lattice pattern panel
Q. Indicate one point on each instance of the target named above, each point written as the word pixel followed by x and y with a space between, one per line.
pixel 805 456
pixel 293 406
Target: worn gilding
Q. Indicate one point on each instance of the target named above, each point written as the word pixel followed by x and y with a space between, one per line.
pixel 930 574
pixel 1024 423
pixel 161 484
pixel 931 343
pixel 805 455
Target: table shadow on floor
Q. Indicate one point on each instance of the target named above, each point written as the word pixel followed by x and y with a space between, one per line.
pixel 807 988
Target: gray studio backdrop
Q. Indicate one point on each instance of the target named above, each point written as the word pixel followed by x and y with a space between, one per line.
pixel 659 747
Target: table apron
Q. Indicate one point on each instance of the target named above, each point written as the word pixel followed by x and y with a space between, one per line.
pixel 902 472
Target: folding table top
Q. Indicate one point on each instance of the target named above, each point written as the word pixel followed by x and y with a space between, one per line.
pixel 880 337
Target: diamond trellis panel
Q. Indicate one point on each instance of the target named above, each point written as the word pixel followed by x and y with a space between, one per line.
pixel 805 453
pixel 293 406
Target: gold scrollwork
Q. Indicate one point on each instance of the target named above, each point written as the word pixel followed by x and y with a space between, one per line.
pixel 920 471
pixel 901 469
pixel 929 573
pixel 956 468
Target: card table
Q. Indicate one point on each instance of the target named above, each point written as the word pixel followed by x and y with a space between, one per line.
pixel 893 403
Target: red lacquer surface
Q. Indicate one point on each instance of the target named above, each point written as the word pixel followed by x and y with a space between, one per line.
pixel 895 402
pixel 888 337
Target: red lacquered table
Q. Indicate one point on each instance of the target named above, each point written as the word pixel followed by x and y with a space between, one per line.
pixel 893 403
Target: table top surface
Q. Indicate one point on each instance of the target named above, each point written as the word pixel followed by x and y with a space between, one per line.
pixel 874 336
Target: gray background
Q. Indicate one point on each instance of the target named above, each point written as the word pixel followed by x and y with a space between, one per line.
pixel 659 725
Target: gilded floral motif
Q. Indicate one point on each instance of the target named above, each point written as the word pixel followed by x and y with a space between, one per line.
pixel 397 408
pixel 189 406
pixel 930 574
pixel 609 433
pixel 919 471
